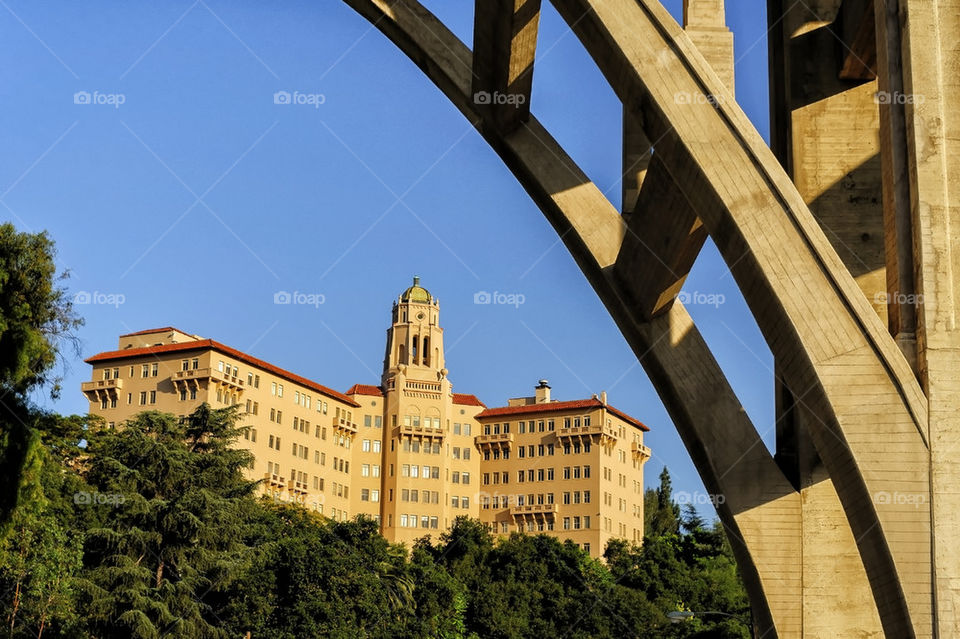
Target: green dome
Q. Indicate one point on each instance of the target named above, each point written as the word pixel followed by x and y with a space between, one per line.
pixel 416 293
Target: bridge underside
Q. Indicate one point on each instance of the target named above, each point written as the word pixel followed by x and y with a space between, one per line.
pixel 839 238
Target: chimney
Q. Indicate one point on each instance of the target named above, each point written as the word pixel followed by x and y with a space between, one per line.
pixel 542 392
pixel 603 397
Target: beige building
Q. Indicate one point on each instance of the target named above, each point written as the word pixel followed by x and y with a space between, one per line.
pixel 410 453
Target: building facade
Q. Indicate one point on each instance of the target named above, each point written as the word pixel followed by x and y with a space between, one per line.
pixel 409 452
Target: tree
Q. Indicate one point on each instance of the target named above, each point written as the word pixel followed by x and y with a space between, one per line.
pixel 661 515
pixel 173 494
pixel 35 316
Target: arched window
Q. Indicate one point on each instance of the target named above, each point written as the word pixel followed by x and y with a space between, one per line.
pixel 426 351
pixel 414 350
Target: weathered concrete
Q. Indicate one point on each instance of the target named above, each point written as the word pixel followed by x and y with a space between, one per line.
pixel 862 418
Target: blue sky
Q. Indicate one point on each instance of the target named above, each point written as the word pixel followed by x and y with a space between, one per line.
pixel 196 199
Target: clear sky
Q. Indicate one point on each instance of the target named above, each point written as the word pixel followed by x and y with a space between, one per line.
pixel 182 195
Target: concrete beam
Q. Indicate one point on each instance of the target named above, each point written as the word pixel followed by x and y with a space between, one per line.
pixel 505 43
pixel 664 237
pixel 859 37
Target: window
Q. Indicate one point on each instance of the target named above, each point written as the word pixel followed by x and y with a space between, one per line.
pixel 376 446
pixel 456 477
pixel 376 470
pixel 365 470
pixel 549 474
pixel 145 370
pixel 465 477
pixel 586 472
pixel 183 395
pixel 455 502
pixel 566 472
pixel 366 446
pixel 143 398
pixel 256 381
pixel 103 403
pixel 566 523
pixel 154 370
pixel 279 390
pixel 566 498
pixel 193 393
pixel 374 495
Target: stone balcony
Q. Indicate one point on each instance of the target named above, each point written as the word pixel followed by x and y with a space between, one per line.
pixel 102 389
pixel 421 431
pixel 494 440
pixel 343 427
pixel 533 509
pixel 594 432
pixel 640 451
pixel 196 375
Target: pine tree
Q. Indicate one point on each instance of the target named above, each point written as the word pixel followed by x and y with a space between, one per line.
pixel 174 494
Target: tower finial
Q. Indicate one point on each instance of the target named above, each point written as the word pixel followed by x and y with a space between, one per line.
pixel 416 280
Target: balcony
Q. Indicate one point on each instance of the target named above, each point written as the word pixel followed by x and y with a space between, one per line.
pixel 494 440
pixel 421 431
pixel 533 510
pixel 297 487
pixel 594 432
pixel 207 374
pixel 640 451
pixel 343 427
pixel 102 389
pixel 274 480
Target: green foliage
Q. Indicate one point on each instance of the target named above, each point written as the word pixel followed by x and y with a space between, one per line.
pixel 153 531
pixel 172 494
pixel 35 315
pixel 661 516
pixel 34 311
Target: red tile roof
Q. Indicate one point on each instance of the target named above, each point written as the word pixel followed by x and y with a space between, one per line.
pixel 226 350
pixel 155 330
pixel 365 389
pixel 464 399
pixel 551 407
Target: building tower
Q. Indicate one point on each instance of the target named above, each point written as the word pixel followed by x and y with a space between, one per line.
pixel 422 478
